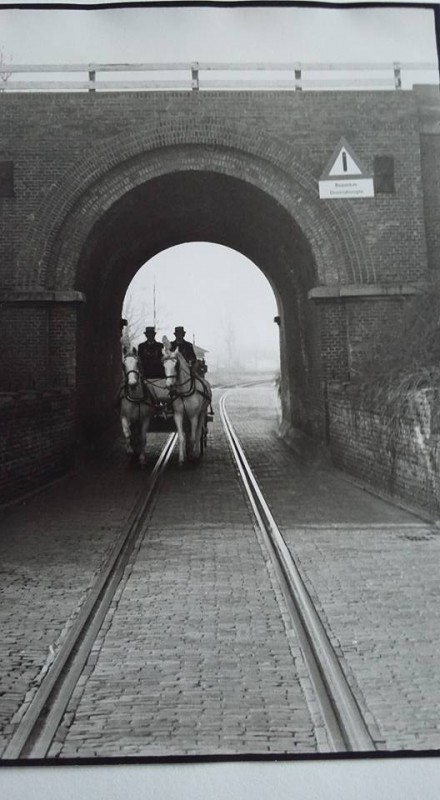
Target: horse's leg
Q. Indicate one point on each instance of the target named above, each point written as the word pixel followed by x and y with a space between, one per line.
pixel 144 430
pixel 194 442
pixel 127 435
pixel 200 424
pixel 178 419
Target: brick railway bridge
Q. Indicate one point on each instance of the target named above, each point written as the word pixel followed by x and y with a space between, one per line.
pixel 93 184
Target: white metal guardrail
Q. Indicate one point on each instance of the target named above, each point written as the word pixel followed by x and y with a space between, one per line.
pixel 198 76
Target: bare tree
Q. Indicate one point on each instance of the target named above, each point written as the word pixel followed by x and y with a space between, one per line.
pixel 231 345
pixel 134 314
pixel 140 312
pixel 4 74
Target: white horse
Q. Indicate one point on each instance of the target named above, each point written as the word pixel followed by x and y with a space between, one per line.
pixel 140 400
pixel 191 397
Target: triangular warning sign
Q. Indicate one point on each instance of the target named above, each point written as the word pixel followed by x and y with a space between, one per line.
pixel 344 163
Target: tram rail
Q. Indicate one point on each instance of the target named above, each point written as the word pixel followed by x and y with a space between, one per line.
pixel 35 732
pixel 346 728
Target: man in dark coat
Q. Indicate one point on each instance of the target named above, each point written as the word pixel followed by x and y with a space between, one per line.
pixel 185 347
pixel 150 355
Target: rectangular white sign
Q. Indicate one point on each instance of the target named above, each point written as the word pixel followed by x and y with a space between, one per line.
pixel 346 188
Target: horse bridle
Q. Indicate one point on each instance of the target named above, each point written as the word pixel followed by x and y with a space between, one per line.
pixel 145 383
pixel 173 389
pixel 128 372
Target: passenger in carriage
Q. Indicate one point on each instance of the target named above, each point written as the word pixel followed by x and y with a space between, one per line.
pixel 185 347
pixel 150 355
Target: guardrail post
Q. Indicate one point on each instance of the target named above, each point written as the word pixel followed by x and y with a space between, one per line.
pixel 195 83
pixel 92 77
pixel 298 75
pixel 397 77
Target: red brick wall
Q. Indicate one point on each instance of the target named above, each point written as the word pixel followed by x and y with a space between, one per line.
pixel 399 461
pixel 238 168
pixel 24 353
pixel 38 345
pixel 368 320
pixel 37 394
pixel 431 183
pixel 36 439
pixel 428 100
pixel 55 140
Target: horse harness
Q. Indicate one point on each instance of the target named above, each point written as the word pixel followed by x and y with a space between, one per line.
pixel 148 384
pixel 174 394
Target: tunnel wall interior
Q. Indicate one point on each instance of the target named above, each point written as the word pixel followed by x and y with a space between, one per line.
pixel 194 206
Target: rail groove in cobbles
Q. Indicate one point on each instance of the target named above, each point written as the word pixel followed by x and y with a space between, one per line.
pixel 345 726
pixel 196 654
pixel 370 568
pixel 41 715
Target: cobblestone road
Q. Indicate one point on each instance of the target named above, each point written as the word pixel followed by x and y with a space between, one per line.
pixel 372 570
pixel 194 657
pixel 51 549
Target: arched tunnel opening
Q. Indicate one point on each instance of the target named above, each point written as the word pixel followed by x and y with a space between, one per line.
pixel 224 302
pixel 184 207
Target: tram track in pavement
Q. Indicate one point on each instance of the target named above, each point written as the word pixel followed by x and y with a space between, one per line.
pixel 343 720
pixel 345 730
pixel 35 732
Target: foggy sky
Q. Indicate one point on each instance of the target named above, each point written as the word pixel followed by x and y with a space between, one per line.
pixel 215 293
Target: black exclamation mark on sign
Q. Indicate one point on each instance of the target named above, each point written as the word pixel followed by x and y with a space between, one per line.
pixel 344 161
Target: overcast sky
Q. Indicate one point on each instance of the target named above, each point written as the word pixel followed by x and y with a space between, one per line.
pixel 230 289
pixel 218 34
pixel 233 299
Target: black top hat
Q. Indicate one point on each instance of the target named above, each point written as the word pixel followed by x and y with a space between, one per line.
pixel 150 329
pixel 179 329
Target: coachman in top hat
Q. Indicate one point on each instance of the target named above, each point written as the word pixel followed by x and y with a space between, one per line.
pixel 185 347
pixel 150 355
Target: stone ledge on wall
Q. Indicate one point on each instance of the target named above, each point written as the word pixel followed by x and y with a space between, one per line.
pixel 367 291
pixel 40 296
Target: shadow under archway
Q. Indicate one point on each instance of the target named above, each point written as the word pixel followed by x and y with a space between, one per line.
pixel 189 206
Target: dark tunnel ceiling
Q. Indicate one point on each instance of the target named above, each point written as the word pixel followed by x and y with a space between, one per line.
pixel 192 206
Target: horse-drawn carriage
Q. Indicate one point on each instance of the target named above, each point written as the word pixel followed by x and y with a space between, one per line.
pixel 180 401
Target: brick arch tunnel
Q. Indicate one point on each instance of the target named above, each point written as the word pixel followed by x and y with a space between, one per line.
pixel 188 206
